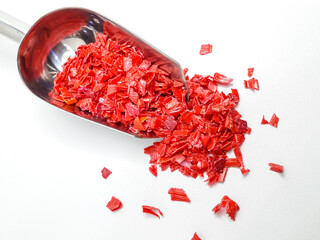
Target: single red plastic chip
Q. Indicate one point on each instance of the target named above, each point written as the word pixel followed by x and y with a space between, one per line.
pixel 178 194
pixel 153 170
pixel 195 237
pixel 219 78
pixel 252 84
pixel 205 49
pixel 230 206
pixel 152 210
pixel 264 121
pixel 276 167
pixel 105 173
pixel 114 204
pixel 250 72
pixel 274 120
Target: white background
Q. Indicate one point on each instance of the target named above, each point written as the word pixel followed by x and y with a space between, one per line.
pixel 50 162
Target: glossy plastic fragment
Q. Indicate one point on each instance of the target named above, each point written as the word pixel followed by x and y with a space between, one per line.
pixel 205 49
pixel 252 83
pixel 153 170
pixel 178 194
pixel 264 121
pixel 152 210
pixel 195 237
pixel 276 167
pixel 114 204
pixel 250 72
pixel 105 173
pixel 230 206
pixel 273 121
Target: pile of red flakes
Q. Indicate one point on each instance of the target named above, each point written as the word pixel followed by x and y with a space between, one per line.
pixel 115 82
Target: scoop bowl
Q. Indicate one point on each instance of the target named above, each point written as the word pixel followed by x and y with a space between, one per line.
pixel 54 38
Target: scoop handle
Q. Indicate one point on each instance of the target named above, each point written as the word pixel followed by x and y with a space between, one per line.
pixel 12 27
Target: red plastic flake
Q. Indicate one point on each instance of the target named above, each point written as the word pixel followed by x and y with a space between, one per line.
pixel 153 170
pixel 276 167
pixel 251 84
pixel 273 121
pixel 264 121
pixel 205 49
pixel 152 210
pixel 105 173
pixel 114 204
pixel 195 237
pixel 250 72
pixel 178 194
pixel 230 206
pixel 114 83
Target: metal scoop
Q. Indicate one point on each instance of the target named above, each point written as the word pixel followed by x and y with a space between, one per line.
pixel 47 45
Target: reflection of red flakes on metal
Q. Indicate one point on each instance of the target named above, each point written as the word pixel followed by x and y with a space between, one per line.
pixel 205 49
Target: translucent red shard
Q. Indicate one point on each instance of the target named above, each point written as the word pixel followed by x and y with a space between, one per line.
pixel 273 121
pixel 205 49
pixel 105 173
pixel 152 210
pixel 195 237
pixel 114 204
pixel 252 83
pixel 178 194
pixel 276 167
pixel 250 72
pixel 230 206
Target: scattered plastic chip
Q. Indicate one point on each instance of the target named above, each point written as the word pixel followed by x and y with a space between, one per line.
pixel 205 49
pixel 105 173
pixel 252 84
pixel 273 121
pixel 250 72
pixel 152 210
pixel 276 167
pixel 178 194
pixel 230 206
pixel 195 237
pixel 114 204
pixel 153 170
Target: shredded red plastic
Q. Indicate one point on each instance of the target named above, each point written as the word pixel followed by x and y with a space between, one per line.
pixel 276 167
pixel 205 49
pixel 252 83
pixel 153 170
pixel 230 206
pixel 114 204
pixel 114 82
pixel 152 210
pixel 178 194
pixel 195 237
pixel 105 173
pixel 250 72
pixel 273 121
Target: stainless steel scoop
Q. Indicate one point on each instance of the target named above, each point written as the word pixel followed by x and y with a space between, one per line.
pixel 54 37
